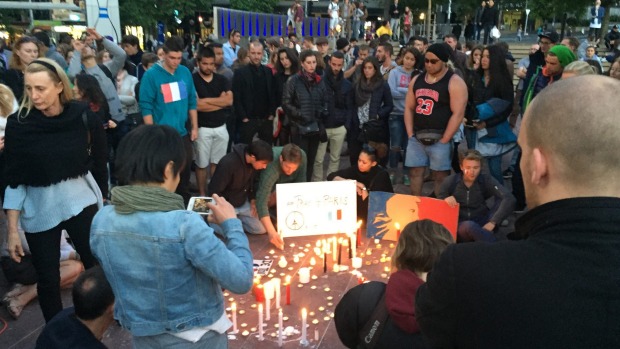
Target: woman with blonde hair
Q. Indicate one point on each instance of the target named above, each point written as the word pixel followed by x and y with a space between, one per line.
pixel 25 50
pixel 578 68
pixel 48 144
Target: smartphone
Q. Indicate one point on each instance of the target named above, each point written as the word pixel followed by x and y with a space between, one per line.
pixel 198 204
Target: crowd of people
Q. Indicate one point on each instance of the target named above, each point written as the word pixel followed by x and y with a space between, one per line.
pixel 101 140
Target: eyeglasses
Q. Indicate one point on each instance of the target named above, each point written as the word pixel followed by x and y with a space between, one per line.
pixel 431 61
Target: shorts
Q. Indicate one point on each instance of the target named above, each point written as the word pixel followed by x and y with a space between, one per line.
pixel 210 146
pixel 333 22
pixel 437 156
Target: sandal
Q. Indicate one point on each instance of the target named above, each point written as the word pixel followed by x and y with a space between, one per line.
pixel 14 309
pixel 17 290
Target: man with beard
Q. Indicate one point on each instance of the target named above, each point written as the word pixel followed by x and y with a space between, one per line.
pixel 384 56
pixel 214 101
pixel 339 107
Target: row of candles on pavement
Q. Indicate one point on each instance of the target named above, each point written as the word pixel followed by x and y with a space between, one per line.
pixel 272 288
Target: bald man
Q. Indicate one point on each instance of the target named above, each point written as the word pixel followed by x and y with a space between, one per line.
pixel 560 287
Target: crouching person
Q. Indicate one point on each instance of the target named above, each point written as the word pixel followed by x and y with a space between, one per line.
pixel 165 265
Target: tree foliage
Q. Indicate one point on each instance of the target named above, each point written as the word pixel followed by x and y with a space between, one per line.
pixel 147 13
pixel 263 6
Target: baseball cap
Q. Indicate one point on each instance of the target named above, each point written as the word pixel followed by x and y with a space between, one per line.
pixel 552 36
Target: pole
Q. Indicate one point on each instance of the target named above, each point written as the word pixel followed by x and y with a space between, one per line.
pixel 527 14
pixel 449 10
pixel 428 23
pixel 32 16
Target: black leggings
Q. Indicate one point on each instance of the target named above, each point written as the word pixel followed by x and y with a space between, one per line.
pixel 45 249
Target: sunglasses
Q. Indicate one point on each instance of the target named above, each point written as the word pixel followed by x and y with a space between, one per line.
pixel 431 61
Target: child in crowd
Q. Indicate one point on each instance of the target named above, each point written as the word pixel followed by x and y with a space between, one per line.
pixel 419 246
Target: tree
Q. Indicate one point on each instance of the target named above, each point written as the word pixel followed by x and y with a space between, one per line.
pixel 261 6
pixel 147 13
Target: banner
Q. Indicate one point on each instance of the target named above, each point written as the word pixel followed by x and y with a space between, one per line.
pixel 387 209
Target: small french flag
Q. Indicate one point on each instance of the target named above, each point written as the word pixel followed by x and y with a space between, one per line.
pixel 174 91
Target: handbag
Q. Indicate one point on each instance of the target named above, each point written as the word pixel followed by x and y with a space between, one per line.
pixel 374 130
pixel 309 129
pixel 429 137
pixel 495 33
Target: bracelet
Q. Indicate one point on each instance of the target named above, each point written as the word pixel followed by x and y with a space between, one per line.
pixel 364 189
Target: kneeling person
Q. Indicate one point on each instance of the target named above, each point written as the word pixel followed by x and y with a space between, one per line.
pixel 234 180
pixel 289 168
pixel 470 190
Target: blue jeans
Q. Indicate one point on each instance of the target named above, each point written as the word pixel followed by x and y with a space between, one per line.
pixel 495 167
pixel 211 340
pixel 398 139
pixel 472 231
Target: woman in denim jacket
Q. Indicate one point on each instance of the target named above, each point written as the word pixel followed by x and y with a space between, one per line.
pixel 165 265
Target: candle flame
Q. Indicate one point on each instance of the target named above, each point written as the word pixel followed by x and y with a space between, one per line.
pixel 359 224
pixel 397 226
pixel 304 312
pixel 288 279
pixel 234 306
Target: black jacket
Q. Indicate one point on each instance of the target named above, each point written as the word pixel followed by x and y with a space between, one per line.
pixel 234 178
pixel 490 15
pixel 337 117
pixel 537 59
pixel 245 102
pixel 557 289
pixel 381 105
pixel 304 103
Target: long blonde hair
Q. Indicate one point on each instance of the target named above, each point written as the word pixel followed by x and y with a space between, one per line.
pixel 57 76
pixel 7 100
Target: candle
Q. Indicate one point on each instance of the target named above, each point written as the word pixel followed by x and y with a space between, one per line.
pixel 312 261
pixel 277 286
pixel 334 252
pixel 397 226
pixel 304 275
pixel 358 240
pixel 325 262
pixel 288 290
pixel 282 262
pixel 296 259
pixel 356 263
pixel 280 328
pixel 304 315
pixel 233 308
pixel 268 296
pixel 339 251
pixel 349 244
pixel 260 322
pixel 259 293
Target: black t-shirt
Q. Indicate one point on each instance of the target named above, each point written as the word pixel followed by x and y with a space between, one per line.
pixel 432 110
pixel 211 89
pixel 67 332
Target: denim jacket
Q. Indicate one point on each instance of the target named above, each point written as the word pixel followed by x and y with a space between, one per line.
pixel 167 269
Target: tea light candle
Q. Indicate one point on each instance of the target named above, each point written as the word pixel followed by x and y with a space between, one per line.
pixel 312 261
pixel 304 275
pixel 296 259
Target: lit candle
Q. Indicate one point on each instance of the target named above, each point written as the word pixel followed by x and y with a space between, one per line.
pixel 233 309
pixel 356 262
pixel 312 261
pixel 280 328
pixel 260 322
pixel 304 315
pixel 296 259
pixel 282 262
pixel 268 296
pixel 358 240
pixel 334 252
pixel 288 290
pixel 277 286
pixel 259 293
pixel 397 226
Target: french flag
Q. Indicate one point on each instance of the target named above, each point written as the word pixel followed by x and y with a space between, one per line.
pixel 174 91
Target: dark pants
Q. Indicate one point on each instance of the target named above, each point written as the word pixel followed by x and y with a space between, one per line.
pixel 355 148
pixel 518 190
pixel 45 249
pixel 114 137
pixel 309 144
pixel 487 33
pixel 186 171
pixel 263 127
